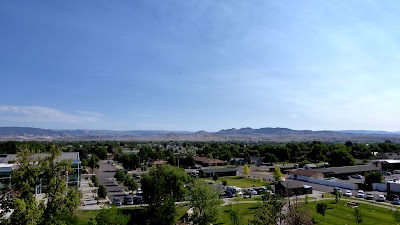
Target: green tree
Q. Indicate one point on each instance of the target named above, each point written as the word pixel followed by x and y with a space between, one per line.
pixel 234 216
pixel 341 157
pixel 215 177
pixel 269 212
pixel 270 158
pixel 102 192
pixel 373 177
pixel 321 208
pixel 246 170
pixel 298 214
pixel 224 182
pixel 93 162
pixel 277 174
pixel 338 195
pixel 120 175
pixel 130 183
pixel 204 202
pixel 111 216
pixel 357 215
pixel 62 201
pixel 162 186
pixel 396 217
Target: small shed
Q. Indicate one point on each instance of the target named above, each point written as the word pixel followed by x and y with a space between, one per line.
pixel 290 188
pixel 305 174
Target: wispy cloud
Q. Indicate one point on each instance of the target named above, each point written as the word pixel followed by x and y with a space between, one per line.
pixel 44 114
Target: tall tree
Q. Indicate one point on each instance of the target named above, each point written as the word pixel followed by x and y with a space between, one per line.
pixel 277 174
pixel 341 157
pixel 162 186
pixel 204 202
pixel 62 201
pixel 246 170
pixel 269 211
pixel 234 216
pixel 396 217
pixel 358 215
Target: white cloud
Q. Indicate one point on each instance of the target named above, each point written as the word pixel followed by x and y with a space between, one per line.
pixel 35 114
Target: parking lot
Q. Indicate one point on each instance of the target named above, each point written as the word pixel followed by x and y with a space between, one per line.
pixel 105 174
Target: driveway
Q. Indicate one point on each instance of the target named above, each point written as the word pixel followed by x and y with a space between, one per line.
pixel 105 174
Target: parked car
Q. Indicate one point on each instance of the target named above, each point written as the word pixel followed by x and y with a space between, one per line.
pixel 369 196
pixel 344 178
pixel 388 173
pixel 252 191
pixel 396 171
pixel 137 200
pixel 356 176
pixel 337 189
pixel 128 200
pixel 348 193
pixel 136 176
pixel 139 191
pixel 396 201
pixel 381 198
pixel 117 201
pixel 360 194
pixel 227 194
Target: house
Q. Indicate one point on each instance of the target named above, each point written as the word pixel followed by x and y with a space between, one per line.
pixel 305 174
pixel 208 162
pixel 237 161
pixel 387 164
pixel 256 160
pixel 156 163
pixel 221 172
pixel 310 166
pixel 292 187
pixel 387 155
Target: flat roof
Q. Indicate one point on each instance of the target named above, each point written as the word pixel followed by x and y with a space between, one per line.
pixel 74 156
pixel 219 170
pixel 348 169
pixel 307 173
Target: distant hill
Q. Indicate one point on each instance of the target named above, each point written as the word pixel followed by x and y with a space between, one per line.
pixel 267 134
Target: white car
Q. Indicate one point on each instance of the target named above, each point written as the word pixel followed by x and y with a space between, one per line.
pixel 381 198
pixel 337 189
pixel 360 194
pixel 252 191
pixel 369 196
pixel 348 193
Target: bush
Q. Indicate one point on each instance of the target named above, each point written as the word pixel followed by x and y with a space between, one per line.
pixel 215 177
pixel 224 182
pixel 95 181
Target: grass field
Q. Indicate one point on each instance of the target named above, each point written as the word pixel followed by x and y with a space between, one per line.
pixel 138 214
pixel 342 214
pixel 246 212
pixel 242 182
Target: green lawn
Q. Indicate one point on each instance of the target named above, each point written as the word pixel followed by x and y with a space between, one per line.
pixel 242 182
pixel 246 211
pixel 138 215
pixel 342 214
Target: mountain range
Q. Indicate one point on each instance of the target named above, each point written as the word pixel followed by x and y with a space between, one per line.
pixel 267 134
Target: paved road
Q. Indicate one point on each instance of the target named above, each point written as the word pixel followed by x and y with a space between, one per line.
pixel 105 174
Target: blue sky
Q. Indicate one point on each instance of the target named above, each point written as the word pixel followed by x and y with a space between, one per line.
pixel 200 65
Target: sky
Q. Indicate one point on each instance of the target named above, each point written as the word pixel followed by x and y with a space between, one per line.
pixel 193 65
